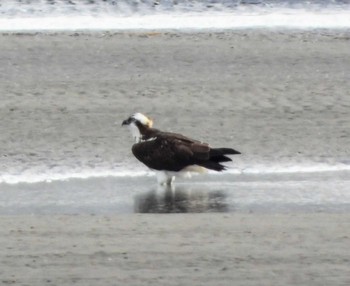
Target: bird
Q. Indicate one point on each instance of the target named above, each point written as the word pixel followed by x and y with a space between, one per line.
pixel 172 154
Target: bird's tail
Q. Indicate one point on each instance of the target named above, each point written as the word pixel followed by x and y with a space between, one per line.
pixel 217 156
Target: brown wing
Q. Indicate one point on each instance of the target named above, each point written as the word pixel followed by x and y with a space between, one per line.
pixel 171 152
pixel 180 137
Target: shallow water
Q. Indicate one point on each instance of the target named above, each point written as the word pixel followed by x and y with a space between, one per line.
pixel 313 192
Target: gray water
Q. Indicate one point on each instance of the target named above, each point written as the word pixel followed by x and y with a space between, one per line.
pixel 317 192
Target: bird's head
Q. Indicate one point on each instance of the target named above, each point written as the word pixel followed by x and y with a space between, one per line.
pixel 137 123
pixel 138 119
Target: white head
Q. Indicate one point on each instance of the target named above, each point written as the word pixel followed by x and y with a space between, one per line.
pixel 135 123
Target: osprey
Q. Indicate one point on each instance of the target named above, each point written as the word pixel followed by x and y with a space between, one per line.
pixel 172 153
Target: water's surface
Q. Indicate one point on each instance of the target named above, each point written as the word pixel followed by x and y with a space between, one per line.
pixel 124 7
pixel 206 14
pixel 314 192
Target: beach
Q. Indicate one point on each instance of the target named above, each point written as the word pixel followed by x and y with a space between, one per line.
pixel 180 249
pixel 277 97
pixel 281 97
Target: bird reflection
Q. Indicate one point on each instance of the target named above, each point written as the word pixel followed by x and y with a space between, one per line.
pixel 180 199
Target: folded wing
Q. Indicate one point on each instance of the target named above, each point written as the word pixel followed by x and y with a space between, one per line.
pixel 174 152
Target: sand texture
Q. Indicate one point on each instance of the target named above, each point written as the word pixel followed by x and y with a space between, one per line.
pixel 204 249
pixel 274 96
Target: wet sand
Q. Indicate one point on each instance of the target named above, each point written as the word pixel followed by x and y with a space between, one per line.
pixel 275 96
pixel 181 249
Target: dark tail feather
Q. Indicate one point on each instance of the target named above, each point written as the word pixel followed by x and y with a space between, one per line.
pixel 220 158
pixel 218 154
pixel 223 151
pixel 212 166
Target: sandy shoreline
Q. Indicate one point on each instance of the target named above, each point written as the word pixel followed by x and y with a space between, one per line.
pixel 211 249
pixel 276 96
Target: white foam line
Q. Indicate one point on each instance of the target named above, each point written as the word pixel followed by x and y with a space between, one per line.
pixel 29 177
pixel 286 19
pixel 50 177
pixel 291 169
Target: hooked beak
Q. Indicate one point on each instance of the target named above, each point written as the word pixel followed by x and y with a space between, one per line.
pixel 126 121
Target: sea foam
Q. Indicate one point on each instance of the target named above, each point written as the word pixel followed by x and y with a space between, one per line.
pixel 196 21
pixel 40 15
pixel 63 174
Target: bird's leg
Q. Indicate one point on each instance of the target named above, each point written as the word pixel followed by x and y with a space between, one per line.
pixel 164 178
pixel 170 180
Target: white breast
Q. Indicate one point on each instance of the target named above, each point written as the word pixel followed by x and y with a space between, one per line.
pixel 135 132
